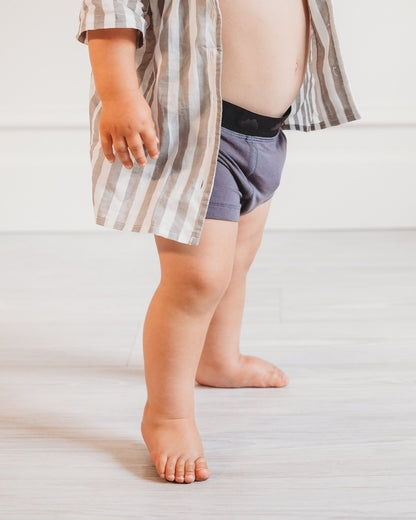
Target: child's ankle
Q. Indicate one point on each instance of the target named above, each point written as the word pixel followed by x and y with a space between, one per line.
pixel 168 412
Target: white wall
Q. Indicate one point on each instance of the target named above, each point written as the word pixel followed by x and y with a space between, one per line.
pixel 358 175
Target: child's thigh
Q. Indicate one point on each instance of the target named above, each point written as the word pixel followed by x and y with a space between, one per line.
pixel 250 234
pixel 210 263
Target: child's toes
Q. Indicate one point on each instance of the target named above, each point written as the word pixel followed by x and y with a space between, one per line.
pixel 201 469
pixel 170 468
pixel 190 470
pixel 160 464
pixel 280 378
pixel 180 469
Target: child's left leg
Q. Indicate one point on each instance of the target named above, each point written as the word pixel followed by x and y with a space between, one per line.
pixel 221 363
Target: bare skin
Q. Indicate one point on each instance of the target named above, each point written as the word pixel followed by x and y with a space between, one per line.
pixel 221 363
pixel 185 317
pixel 126 121
pixel 193 280
pixel 246 81
pixel 192 326
pixel 265 49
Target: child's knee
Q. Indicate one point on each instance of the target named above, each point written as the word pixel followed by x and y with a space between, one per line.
pixel 201 287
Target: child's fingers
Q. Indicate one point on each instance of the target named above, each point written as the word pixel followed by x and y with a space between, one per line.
pixel 107 146
pixel 151 142
pixel 135 145
pixel 121 148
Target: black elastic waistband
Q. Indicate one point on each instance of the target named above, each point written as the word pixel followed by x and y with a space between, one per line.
pixel 246 122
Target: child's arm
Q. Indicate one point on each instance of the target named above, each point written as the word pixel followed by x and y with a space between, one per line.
pixel 126 120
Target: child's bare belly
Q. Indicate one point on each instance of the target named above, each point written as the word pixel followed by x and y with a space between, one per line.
pixel 265 48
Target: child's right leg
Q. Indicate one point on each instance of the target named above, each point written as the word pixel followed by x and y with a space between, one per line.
pixel 193 280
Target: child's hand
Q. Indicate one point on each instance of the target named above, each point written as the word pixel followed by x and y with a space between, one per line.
pixel 128 124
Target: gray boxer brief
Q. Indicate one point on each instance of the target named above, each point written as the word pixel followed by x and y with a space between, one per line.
pixel 251 157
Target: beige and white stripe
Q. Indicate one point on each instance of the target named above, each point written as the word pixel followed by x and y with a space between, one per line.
pixel 178 63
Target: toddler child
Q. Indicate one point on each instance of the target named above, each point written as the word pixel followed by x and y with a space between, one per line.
pixel 189 100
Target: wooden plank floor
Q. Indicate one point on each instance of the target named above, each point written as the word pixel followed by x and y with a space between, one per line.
pixel 335 310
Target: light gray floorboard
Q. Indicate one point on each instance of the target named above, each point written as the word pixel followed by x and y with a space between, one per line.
pixel 335 310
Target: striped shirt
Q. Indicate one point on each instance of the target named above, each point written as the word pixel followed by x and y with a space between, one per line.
pixel 178 63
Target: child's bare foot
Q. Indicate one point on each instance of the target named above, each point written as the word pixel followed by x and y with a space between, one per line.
pixel 247 371
pixel 174 446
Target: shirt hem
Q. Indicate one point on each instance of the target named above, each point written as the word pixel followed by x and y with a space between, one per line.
pixel 118 225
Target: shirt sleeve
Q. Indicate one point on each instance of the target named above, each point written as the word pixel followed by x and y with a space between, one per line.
pixel 108 14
